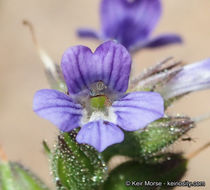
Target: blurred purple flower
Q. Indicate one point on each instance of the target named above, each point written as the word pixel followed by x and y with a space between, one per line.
pixel 102 74
pixel 131 23
pixel 192 77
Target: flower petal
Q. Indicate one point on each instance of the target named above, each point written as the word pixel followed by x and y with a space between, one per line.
pixel 159 41
pixel 58 108
pixel 129 21
pixel 100 134
pixel 136 110
pixel 111 63
pixel 87 33
pixel 192 77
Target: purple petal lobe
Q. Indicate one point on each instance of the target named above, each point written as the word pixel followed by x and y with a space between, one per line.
pixel 192 77
pixel 58 108
pixel 159 41
pixel 100 134
pixel 110 63
pixel 129 21
pixel 87 33
pixel 136 110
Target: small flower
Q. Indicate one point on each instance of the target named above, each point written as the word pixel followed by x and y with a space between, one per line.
pixel 192 77
pixel 131 23
pixel 96 99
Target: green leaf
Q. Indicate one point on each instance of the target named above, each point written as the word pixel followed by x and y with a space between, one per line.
pixel 76 166
pixel 153 139
pixel 171 169
pixel 14 176
pixel 26 179
pixel 6 176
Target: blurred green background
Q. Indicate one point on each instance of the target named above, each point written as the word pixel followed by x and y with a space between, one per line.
pixel 55 22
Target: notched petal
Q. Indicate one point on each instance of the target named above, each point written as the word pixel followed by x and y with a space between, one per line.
pixel 110 63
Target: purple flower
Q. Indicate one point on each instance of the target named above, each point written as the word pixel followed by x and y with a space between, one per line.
pixel 192 77
pixel 96 99
pixel 131 23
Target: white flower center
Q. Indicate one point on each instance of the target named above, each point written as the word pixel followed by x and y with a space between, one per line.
pixel 107 115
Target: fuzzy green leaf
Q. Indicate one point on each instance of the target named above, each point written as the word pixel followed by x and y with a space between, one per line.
pixel 26 179
pixel 14 176
pixel 76 166
pixel 6 176
pixel 154 138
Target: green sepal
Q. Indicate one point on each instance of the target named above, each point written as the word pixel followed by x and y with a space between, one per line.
pixel 145 144
pixel 171 169
pixel 14 176
pixel 76 166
